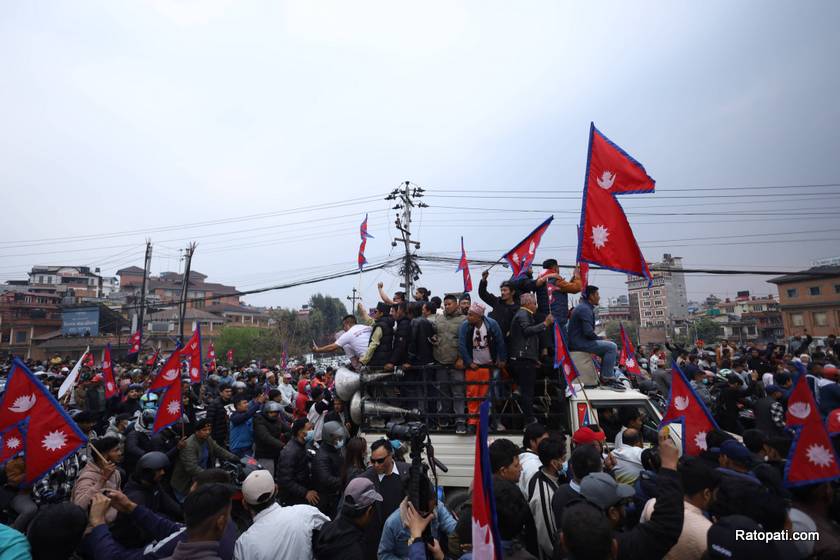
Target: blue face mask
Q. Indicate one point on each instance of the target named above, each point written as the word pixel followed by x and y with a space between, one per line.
pixel 310 436
pixel 339 444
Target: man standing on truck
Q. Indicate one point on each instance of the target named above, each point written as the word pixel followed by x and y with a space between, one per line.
pixel 449 378
pixel 525 351
pixel 582 337
pixel 481 346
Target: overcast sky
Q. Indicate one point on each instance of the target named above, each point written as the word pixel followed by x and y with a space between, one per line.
pixel 147 117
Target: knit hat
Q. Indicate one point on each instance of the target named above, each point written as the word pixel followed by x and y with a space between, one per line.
pixel 476 308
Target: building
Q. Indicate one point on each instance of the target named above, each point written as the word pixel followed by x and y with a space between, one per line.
pixel 746 304
pixel 24 318
pixel 663 303
pixel 76 283
pixel 240 315
pixel 810 301
pixel 166 288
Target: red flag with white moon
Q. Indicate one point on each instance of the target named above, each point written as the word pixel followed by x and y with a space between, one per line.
pixel 685 407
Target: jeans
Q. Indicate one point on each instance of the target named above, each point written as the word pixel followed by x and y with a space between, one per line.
pixel 604 349
pixel 450 386
pixel 525 374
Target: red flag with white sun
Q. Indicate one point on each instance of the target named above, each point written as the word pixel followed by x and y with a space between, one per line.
pixel 686 408
pixel 812 458
pixel 108 373
pixel 12 442
pixel 605 237
pixel 49 440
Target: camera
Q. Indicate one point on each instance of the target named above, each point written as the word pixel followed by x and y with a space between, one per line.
pixel 407 431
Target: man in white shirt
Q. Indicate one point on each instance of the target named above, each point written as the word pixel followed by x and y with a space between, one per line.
pixel 277 532
pixel 529 459
pixel 628 457
pixel 354 341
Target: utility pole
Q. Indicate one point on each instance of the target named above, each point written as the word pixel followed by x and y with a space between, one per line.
pixel 405 196
pixel 147 265
pixel 182 308
pixel 353 299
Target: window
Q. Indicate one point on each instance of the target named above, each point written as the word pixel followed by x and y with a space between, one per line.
pixel 660 312
pixel 657 292
pixel 648 314
pixel 797 320
pixel 820 318
pixel 814 290
pixel 837 288
pixel 791 292
pixel 646 303
pixel 657 302
pixel 646 294
pixel 20 337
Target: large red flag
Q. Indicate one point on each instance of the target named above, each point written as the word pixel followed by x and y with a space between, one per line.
pixel 812 458
pixel 464 266
pixel 521 256
pixel 193 351
pixel 170 372
pixel 584 275
pixel 363 233
pixel 605 237
pixel 170 408
pixel 628 354
pixel 686 408
pixel 52 437
pixel 12 444
pixel 134 344
pixel 563 359
pixel 108 373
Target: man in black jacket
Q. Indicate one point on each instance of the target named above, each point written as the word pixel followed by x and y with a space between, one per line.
pixel 524 351
pixel 402 333
pixel 326 467
pixel 387 476
pixel 504 306
pixel 218 416
pixel 657 536
pixel 269 438
pixel 293 475
pixel 381 341
pixel 344 538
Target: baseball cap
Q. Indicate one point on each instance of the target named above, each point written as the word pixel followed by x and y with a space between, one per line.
pixel 736 451
pixel 602 490
pixel 721 542
pixel 361 494
pixel 587 435
pixel 258 484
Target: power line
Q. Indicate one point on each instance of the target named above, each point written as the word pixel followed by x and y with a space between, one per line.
pixel 573 189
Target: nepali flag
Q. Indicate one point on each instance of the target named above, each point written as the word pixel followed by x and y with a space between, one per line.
pixel 464 266
pixel 363 233
pixel 134 345
pixel 832 422
pixel 12 441
pixel 89 360
pixel 153 360
pixel 284 358
pixel 230 356
pixel 812 458
pixel 520 257
pixel 211 355
pixel 605 237
pixel 108 373
pixel 486 542
pixel 170 372
pixel 192 350
pixel 628 354
pixel 686 408
pixel 50 439
pixel 170 409
pixel 584 275
pixel 563 359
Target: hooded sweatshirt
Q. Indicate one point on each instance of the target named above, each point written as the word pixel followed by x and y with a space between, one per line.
pixel 340 539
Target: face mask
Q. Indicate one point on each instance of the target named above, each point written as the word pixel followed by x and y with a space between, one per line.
pixel 310 436
pixel 339 444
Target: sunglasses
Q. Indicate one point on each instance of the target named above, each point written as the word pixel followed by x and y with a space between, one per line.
pixel 378 461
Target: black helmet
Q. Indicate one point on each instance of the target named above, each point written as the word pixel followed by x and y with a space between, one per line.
pixel 149 464
pixel 272 406
pixel 147 418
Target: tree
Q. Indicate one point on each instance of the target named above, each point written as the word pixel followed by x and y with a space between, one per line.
pixel 707 329
pixel 613 332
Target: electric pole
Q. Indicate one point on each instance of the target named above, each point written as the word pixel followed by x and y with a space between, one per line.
pixel 405 196
pixel 353 299
pixel 147 265
pixel 182 308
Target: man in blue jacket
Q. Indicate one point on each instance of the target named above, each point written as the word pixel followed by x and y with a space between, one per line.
pixel 582 337
pixel 481 346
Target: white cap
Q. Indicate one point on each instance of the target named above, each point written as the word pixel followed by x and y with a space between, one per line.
pixel 256 485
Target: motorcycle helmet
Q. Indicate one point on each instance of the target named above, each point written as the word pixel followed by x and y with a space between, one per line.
pixel 722 374
pixel 147 418
pixel 239 386
pixel 333 433
pixel 135 387
pixel 149 464
pixel 149 401
pixel 272 406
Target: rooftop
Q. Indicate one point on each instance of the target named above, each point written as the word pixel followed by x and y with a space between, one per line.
pixel 812 273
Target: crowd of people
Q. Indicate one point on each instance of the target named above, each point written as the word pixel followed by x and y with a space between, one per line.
pixel 267 463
